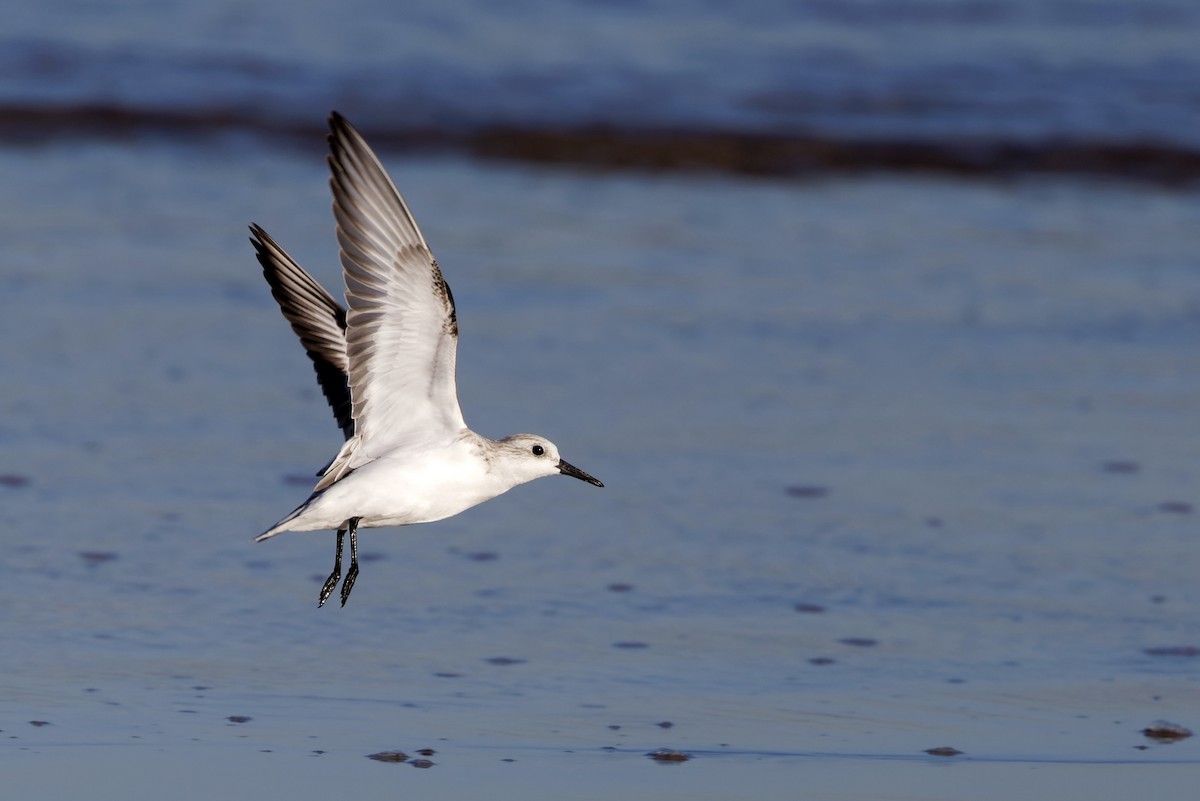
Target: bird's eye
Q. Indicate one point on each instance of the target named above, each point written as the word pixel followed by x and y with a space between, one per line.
pixel 538 450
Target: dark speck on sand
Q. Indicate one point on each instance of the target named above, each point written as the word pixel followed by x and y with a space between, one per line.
pixel 859 642
pixel 1166 732
pixel 668 755
pixel 943 751
pixel 807 491
pixel 1173 650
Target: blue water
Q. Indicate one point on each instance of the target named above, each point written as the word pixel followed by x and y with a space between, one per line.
pixel 1074 70
pixel 892 463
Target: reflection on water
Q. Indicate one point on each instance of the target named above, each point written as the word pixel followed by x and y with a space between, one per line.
pixel 861 437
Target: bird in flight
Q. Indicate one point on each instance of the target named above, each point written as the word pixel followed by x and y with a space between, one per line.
pixel 386 365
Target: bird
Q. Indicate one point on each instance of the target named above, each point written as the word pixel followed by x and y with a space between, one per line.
pixel 386 365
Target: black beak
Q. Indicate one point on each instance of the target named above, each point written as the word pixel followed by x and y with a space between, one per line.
pixel 575 472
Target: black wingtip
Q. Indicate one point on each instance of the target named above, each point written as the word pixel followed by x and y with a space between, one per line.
pixel 262 243
pixel 338 126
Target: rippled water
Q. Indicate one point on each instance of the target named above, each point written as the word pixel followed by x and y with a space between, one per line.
pixel 891 465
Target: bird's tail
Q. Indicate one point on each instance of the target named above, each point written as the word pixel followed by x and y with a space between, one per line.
pixel 282 525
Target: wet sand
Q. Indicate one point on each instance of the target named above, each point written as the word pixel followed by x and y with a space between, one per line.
pixel 660 148
pixel 891 466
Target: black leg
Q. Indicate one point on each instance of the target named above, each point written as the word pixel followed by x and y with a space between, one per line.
pixel 332 581
pixel 352 573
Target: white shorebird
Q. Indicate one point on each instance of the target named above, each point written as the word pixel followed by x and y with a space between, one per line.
pixel 386 366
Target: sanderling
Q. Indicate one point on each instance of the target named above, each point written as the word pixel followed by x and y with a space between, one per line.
pixel 386 366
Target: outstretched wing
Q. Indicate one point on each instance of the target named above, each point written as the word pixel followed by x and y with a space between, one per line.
pixel 401 328
pixel 318 319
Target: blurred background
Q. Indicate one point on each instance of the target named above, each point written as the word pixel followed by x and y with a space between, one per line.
pixel 878 319
pixel 1103 87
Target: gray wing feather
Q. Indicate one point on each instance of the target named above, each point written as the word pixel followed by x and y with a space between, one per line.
pixel 401 327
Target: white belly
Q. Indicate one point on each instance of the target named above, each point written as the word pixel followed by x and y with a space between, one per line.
pixel 395 490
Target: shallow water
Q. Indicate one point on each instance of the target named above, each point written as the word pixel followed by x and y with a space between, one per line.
pixel 951 421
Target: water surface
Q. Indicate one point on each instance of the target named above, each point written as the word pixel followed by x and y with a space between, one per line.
pixel 894 460
pixel 950 421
